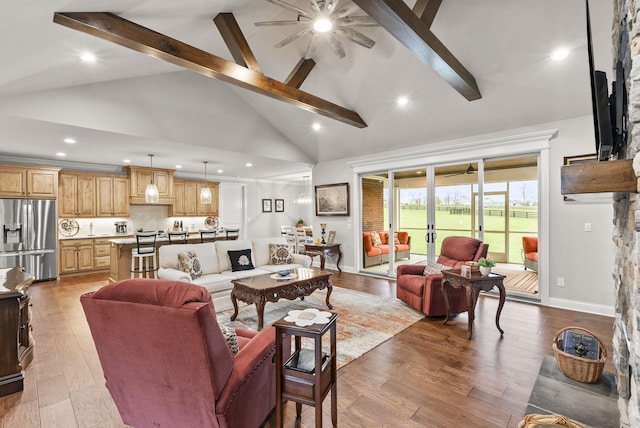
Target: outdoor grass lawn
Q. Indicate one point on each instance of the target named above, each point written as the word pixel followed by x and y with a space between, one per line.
pixel 414 221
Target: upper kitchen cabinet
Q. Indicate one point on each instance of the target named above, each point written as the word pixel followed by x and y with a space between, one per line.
pixel 208 209
pixel 77 195
pixel 112 196
pixel 140 177
pixel 187 199
pixel 20 181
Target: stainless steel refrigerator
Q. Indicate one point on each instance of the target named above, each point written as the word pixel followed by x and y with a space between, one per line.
pixel 29 236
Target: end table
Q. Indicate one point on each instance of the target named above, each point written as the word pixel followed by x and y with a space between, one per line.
pixel 306 387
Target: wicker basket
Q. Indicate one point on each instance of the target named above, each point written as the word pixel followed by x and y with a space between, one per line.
pixel 577 368
pixel 531 421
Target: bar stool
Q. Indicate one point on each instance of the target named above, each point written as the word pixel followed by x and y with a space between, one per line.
pixel 208 235
pixel 143 257
pixel 178 237
pixel 232 233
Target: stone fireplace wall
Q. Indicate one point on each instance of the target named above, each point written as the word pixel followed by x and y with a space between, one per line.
pixel 626 337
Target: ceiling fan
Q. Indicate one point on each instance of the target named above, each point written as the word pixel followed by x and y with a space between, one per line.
pixel 470 170
pixel 326 19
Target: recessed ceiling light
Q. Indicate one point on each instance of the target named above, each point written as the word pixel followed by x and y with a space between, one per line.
pixel 316 126
pixel 178 166
pixel 560 54
pixel 220 171
pixel 69 140
pixel 88 57
pixel 418 172
pixel 126 160
pixel 61 154
pixel 249 164
pixel 402 101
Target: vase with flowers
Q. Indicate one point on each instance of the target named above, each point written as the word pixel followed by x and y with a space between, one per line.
pixel 485 265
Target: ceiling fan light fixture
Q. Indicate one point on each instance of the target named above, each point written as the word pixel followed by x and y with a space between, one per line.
pixel 322 24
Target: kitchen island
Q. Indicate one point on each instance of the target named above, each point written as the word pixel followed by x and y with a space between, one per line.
pixel 120 252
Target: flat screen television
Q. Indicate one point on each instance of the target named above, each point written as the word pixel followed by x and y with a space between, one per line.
pixel 609 111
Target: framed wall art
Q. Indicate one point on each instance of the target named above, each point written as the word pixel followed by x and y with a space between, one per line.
pixel 332 237
pixel 279 205
pixel 266 206
pixel 332 199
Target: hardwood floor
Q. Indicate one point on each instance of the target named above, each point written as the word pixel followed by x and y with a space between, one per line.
pixel 429 375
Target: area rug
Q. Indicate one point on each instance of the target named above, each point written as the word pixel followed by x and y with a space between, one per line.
pixel 365 321
pixel 519 280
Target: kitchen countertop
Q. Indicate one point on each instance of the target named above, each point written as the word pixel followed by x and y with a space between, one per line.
pixel 102 235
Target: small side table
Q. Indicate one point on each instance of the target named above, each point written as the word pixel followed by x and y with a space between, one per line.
pixel 302 387
pixel 323 250
pixel 473 285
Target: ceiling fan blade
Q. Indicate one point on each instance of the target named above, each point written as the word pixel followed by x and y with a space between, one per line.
pixel 346 10
pixel 291 7
pixel 292 37
pixel 356 37
pixel 315 6
pixel 362 21
pixel 311 47
pixel 337 46
pixel 276 23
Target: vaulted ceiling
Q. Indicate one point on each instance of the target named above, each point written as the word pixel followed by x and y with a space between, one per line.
pixel 127 104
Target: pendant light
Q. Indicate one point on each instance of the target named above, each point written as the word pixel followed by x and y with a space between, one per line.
pixel 205 193
pixel 151 195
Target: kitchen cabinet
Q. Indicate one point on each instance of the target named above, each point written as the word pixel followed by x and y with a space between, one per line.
pixel 77 195
pixel 112 196
pixel 19 181
pixel 140 177
pixel 76 255
pixel 186 198
pixel 101 253
pixel 207 209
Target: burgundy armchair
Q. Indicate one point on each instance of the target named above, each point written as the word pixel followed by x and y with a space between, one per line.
pixel 424 293
pixel 166 362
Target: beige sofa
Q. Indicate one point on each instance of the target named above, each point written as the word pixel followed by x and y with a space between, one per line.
pixel 216 266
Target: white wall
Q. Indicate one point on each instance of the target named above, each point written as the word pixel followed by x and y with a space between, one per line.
pixel 583 259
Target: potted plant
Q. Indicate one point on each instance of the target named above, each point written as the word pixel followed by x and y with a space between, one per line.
pixel 300 223
pixel 485 265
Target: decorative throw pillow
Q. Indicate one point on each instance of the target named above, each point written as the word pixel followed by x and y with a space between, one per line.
pixel 279 255
pixel 188 262
pixel 396 240
pixel 434 268
pixel 375 239
pixel 240 260
pixel 231 337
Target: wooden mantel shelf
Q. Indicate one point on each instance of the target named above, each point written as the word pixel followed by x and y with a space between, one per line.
pixel 598 177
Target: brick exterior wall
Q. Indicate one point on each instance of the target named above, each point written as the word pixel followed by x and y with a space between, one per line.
pixel 372 205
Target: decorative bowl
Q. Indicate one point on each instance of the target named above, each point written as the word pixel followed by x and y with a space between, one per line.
pixel 284 272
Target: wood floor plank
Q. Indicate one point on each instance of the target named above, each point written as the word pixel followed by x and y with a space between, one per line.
pixel 428 375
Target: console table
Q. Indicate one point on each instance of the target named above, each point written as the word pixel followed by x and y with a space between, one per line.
pixel 16 350
pixel 308 387
pixel 323 250
pixel 473 285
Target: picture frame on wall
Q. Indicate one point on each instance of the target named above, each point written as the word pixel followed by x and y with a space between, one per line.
pixel 332 237
pixel 332 199
pixel 266 206
pixel 279 205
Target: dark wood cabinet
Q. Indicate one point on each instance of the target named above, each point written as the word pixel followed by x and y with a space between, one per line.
pixel 16 348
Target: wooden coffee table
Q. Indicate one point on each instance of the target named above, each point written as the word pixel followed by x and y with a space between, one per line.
pixel 262 289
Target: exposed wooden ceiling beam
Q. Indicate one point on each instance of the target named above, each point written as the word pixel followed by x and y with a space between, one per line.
pixel 300 72
pixel 426 10
pixel 235 41
pixel 125 33
pixel 402 22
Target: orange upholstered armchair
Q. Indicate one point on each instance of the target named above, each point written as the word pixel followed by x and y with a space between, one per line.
pixel 166 361
pixel 530 250
pixel 424 293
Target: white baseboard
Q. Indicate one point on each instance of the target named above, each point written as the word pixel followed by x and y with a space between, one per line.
pixel 574 305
